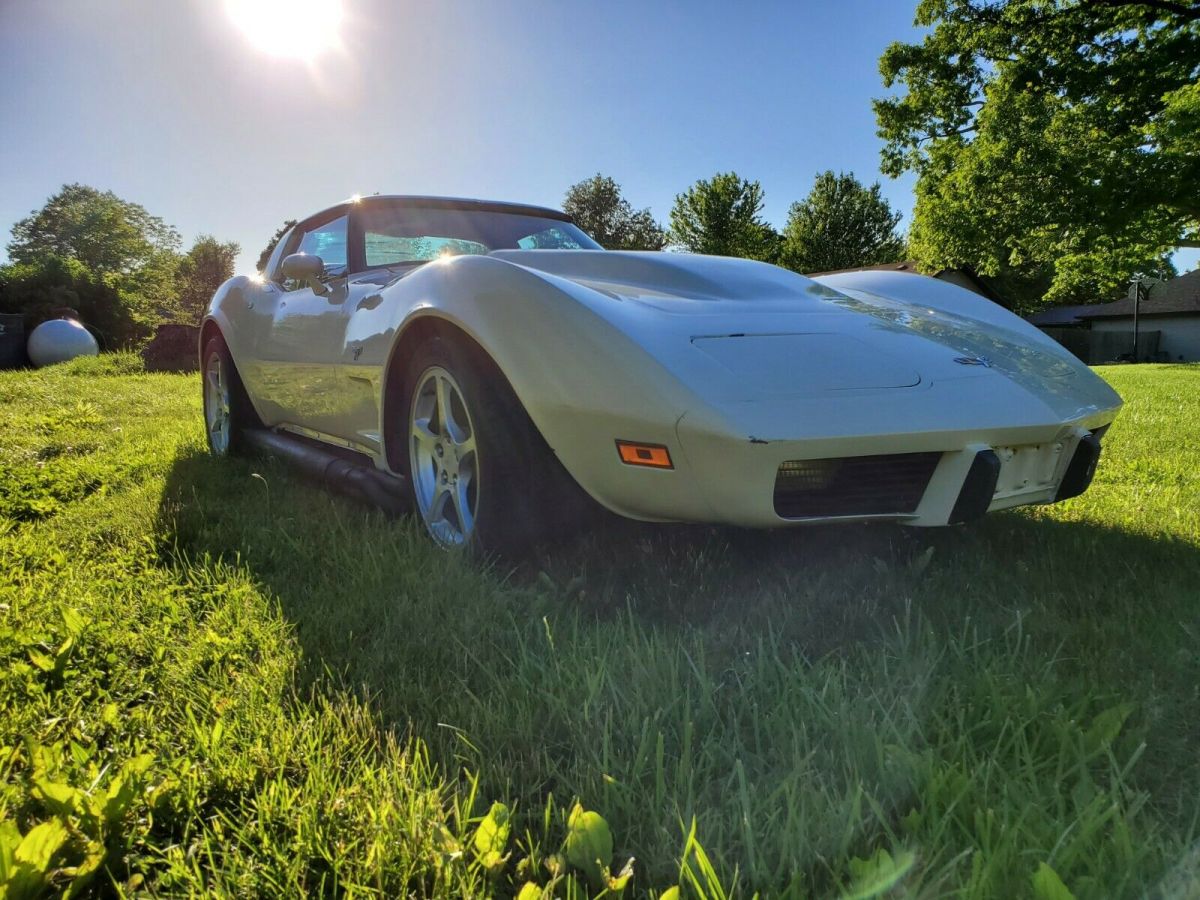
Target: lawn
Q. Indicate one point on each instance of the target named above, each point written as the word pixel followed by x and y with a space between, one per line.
pixel 218 679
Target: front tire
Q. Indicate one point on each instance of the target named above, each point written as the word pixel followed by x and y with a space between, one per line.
pixel 480 474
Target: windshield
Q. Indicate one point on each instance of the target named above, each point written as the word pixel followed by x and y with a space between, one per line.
pixel 396 234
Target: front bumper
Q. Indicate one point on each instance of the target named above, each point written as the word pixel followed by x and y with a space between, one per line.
pixel 966 482
pixel 727 461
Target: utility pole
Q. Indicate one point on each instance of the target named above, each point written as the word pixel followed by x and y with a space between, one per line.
pixel 1137 302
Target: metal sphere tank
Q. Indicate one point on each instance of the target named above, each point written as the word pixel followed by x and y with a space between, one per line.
pixel 59 340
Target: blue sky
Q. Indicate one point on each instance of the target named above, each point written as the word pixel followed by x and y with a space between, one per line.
pixel 170 104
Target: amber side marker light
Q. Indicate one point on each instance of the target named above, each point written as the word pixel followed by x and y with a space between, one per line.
pixel 656 456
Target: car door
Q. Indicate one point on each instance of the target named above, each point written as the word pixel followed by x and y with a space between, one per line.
pixel 300 354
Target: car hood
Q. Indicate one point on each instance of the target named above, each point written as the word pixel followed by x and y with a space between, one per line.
pixel 746 329
pixel 665 280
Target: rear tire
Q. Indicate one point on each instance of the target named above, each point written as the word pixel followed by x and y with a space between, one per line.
pixel 227 409
pixel 480 474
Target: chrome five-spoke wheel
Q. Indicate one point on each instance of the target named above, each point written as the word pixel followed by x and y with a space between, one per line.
pixel 217 413
pixel 443 457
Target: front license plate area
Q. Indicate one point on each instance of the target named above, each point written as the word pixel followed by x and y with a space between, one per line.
pixel 1029 469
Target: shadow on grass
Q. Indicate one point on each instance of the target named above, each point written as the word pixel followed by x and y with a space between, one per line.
pixel 1168 366
pixel 376 606
pixel 1081 573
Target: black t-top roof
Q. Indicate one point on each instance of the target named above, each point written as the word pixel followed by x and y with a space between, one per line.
pixel 452 203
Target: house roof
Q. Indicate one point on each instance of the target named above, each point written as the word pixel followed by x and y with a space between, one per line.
pixel 1060 316
pixel 1176 296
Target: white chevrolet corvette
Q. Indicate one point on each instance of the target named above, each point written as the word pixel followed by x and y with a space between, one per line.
pixel 489 360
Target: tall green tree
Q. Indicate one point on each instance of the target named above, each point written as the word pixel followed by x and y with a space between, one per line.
pixel 722 215
pixel 89 237
pixel 203 269
pixel 598 208
pixel 841 224
pixel 105 233
pixel 265 256
pixel 1054 141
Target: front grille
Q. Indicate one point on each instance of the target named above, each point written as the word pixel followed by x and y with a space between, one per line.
pixel 853 486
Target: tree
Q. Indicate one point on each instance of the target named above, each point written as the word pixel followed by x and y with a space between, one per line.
pixel 598 208
pixel 39 290
pixel 840 225
pixel 1052 141
pixel 722 216
pixel 110 236
pixel 265 256
pixel 203 269
pixel 87 238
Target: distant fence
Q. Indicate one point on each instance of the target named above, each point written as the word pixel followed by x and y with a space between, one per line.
pixel 1097 347
pixel 1074 339
pixel 1108 346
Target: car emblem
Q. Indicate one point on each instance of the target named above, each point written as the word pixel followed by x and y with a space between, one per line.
pixel 973 361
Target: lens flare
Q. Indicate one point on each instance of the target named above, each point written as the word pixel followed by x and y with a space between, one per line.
pixel 301 29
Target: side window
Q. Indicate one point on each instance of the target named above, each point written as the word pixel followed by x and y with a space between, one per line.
pixel 327 241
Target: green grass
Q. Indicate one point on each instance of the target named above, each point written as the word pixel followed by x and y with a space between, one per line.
pixel 217 679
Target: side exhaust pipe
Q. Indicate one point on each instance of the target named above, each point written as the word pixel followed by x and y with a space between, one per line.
pixel 332 470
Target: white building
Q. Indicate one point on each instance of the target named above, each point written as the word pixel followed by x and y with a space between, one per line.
pixel 1171 309
pixel 1168 325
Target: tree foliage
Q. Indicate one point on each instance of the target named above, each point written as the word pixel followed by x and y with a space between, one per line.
pixel 105 233
pixel 840 225
pixel 265 256
pixel 203 269
pixel 41 289
pixel 722 216
pixel 106 258
pixel 1054 142
pixel 111 261
pixel 598 208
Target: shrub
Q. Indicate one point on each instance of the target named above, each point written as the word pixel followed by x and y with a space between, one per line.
pixel 40 290
pixel 122 362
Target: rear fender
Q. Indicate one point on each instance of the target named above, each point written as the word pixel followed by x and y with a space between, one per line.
pixel 229 310
pixel 231 313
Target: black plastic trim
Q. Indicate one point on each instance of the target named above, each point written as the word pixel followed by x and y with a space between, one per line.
pixel 1081 469
pixel 978 489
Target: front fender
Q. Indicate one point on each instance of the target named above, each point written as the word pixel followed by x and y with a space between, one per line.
pixel 583 382
pixel 923 291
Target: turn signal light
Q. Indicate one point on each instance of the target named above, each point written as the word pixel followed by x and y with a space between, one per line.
pixel 656 456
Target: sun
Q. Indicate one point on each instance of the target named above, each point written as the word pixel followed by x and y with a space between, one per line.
pixel 301 29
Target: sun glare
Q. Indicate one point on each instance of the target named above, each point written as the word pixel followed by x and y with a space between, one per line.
pixel 301 29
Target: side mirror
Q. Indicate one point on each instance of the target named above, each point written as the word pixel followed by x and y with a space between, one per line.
pixel 305 267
